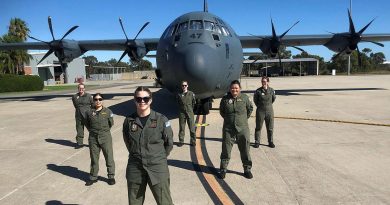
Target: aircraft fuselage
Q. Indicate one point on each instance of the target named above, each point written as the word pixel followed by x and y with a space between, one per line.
pixel 202 49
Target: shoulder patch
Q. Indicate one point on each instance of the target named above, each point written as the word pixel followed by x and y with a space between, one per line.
pixel 167 123
pixel 112 115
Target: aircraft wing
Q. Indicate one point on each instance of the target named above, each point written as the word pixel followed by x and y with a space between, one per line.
pixel 306 40
pixel 84 45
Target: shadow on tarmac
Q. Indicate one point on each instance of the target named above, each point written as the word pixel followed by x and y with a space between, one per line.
pixel 162 101
pixel 73 172
pixel 56 202
pixel 298 91
pixel 189 165
pixel 63 142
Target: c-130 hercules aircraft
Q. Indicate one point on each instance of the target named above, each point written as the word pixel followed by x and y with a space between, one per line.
pixel 200 48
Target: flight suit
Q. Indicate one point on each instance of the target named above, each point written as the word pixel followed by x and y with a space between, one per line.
pixel 148 148
pixel 263 99
pixel 82 104
pixel 186 113
pixel 99 124
pixel 235 112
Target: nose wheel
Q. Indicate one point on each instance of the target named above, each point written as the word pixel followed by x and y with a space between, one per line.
pixel 203 106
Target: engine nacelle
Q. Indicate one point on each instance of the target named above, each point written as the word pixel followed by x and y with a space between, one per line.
pixel 137 50
pixel 68 50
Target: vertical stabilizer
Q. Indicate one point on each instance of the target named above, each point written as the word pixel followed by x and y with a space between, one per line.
pixel 205 7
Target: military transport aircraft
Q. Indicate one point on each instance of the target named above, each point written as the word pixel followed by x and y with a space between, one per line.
pixel 200 48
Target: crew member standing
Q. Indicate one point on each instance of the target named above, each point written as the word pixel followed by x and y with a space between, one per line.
pixel 149 139
pixel 235 109
pixel 99 122
pixel 186 101
pixel 264 97
pixel 82 103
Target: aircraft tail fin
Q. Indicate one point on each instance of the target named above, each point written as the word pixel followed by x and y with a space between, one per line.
pixel 205 7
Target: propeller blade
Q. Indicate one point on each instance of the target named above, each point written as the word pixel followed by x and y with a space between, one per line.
pixel 38 39
pixel 364 28
pixel 258 58
pixel 50 27
pixel 120 21
pixel 281 36
pixel 298 48
pixel 70 30
pixel 273 29
pixel 359 57
pixel 45 56
pixel 376 43
pixel 141 29
pixel 351 26
pixel 123 55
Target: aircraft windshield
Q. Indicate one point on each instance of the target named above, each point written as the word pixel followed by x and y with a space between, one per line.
pixel 183 27
pixel 208 25
pixel 196 25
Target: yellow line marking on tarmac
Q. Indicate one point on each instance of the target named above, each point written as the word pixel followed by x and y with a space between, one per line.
pixel 201 125
pixel 222 196
pixel 338 121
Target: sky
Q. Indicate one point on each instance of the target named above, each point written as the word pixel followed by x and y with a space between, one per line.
pixel 98 19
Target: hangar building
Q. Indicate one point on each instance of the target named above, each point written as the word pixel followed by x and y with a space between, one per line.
pixel 50 69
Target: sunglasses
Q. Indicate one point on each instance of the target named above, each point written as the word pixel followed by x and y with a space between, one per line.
pixel 98 99
pixel 140 99
pixel 184 85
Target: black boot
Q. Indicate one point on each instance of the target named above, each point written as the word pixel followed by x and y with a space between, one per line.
pixel 90 182
pixel 271 144
pixel 248 174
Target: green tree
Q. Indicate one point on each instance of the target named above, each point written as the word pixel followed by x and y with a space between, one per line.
pixel 19 29
pixel 378 58
pixel 141 65
pixel 90 60
pixel 13 61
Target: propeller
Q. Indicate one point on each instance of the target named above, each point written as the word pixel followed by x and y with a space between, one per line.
pixel 276 42
pixel 354 38
pixel 131 45
pixel 54 45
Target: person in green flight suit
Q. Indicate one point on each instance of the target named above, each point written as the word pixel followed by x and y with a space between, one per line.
pixel 148 137
pixel 186 101
pixel 82 103
pixel 235 109
pixel 264 97
pixel 99 122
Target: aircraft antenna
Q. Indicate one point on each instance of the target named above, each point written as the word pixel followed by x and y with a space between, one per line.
pixel 205 7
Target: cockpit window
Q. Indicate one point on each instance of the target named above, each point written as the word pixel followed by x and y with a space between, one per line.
pixel 196 25
pixel 183 27
pixel 225 31
pixel 170 31
pixel 208 25
pixel 218 29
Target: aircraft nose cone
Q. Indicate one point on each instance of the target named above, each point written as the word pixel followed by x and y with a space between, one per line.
pixel 198 61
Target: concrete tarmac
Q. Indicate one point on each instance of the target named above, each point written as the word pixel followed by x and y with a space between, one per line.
pixel 322 155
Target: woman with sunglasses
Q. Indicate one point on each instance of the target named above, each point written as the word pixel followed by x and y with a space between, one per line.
pixel 149 139
pixel 99 122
